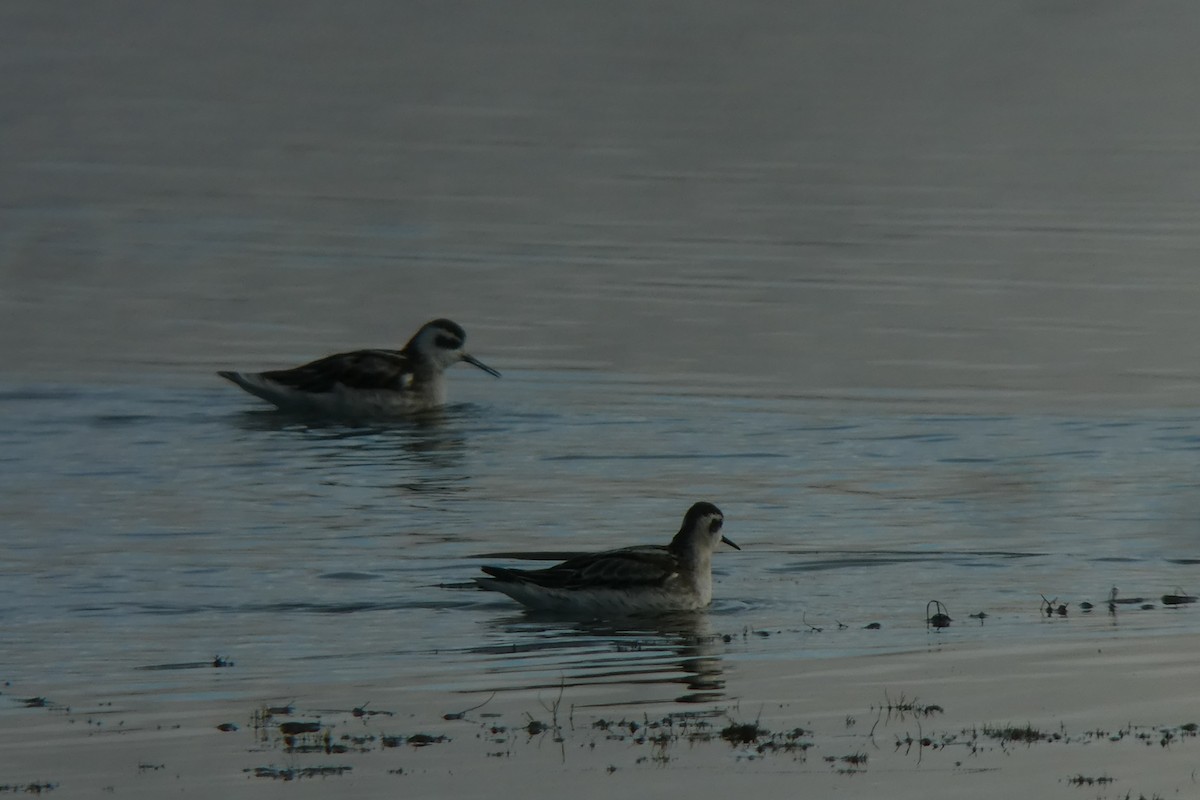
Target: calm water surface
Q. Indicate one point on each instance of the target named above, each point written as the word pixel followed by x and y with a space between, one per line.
pixel 911 297
pixel 152 526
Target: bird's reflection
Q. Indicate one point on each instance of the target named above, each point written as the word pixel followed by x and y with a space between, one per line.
pixel 428 449
pixel 636 659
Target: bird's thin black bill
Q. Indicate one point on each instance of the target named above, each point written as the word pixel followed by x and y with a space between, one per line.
pixel 476 362
pixel 727 541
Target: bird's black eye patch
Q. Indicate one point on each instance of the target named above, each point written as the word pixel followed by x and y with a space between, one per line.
pixel 448 342
pixel 716 525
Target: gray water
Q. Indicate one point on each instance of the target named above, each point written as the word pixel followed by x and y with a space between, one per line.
pixel 908 290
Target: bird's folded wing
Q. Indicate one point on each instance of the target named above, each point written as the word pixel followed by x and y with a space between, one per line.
pixel 616 569
pixel 361 369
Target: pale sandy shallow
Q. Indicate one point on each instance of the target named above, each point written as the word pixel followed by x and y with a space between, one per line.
pixel 1108 701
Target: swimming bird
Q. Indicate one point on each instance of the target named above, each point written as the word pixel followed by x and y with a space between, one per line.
pixel 632 580
pixel 368 383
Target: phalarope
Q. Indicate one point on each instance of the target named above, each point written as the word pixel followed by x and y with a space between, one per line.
pixel 368 382
pixel 632 580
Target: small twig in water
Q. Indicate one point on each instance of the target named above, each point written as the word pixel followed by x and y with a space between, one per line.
pixel 940 618
pixel 1053 607
pixel 464 712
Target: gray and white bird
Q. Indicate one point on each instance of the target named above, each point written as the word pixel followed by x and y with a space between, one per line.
pixel 631 580
pixel 368 383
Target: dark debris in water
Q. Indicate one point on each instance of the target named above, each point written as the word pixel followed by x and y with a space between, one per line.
pixel 363 711
pixel 750 739
pixel 1178 597
pixel 415 740
pixel 463 714
pixel 936 615
pixel 902 707
pixel 41 702
pixel 295 773
pixel 656 740
pixel 216 662
pixel 425 739
pixel 297 736
pixel 536 727
pixel 848 764
pixel 1027 734
pixel 27 788
pixel 1053 607
pixel 743 733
